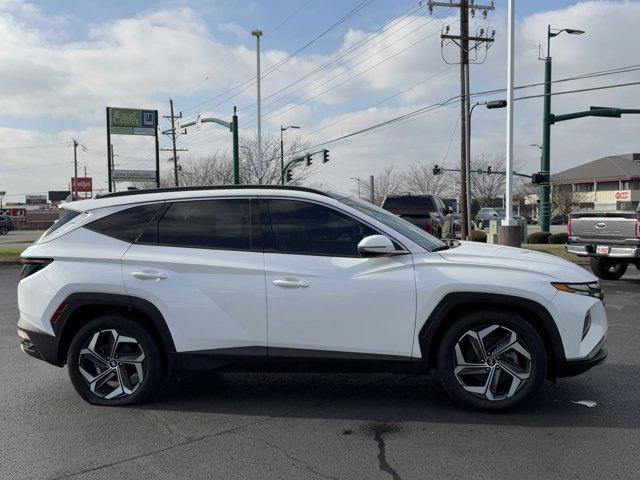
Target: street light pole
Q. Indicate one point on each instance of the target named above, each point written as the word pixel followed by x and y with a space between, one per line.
pixel 258 33
pixel 490 105
pixel 282 129
pixel 545 161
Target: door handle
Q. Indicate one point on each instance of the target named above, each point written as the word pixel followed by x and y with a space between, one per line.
pixel 148 275
pixel 290 283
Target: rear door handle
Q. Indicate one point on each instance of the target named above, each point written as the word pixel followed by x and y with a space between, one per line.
pixel 148 275
pixel 290 283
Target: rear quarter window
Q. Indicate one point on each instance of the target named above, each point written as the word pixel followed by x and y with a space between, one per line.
pixel 126 225
pixel 67 216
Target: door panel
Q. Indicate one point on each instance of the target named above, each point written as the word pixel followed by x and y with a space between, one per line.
pixel 201 264
pixel 210 299
pixel 321 294
pixel 364 305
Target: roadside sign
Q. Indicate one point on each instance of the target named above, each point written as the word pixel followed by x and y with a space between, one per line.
pixel 85 184
pixel 132 121
pixel 623 195
pixel 134 175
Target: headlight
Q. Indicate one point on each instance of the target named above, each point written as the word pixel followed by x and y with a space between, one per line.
pixel 591 289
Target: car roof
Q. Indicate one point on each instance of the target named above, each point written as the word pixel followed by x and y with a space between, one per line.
pixel 180 193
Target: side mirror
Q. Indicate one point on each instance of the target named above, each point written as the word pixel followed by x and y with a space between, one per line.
pixel 376 246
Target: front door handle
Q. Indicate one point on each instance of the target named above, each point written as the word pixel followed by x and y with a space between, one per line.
pixel 148 275
pixel 290 283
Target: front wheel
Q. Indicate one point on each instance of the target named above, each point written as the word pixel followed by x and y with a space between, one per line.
pixel 608 269
pixel 113 360
pixel 4 230
pixel 491 361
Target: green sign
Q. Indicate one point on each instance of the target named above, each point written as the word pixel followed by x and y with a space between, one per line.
pixel 132 121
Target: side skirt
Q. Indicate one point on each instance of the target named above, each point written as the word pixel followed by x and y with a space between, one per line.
pixel 261 359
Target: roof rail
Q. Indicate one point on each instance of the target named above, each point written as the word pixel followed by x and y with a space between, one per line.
pixel 211 187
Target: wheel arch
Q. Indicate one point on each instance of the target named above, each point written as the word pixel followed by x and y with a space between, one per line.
pixel 454 304
pixel 82 307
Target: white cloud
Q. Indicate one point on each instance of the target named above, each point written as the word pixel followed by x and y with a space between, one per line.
pixel 233 27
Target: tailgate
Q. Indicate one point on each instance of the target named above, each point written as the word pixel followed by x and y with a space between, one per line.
pixel 603 227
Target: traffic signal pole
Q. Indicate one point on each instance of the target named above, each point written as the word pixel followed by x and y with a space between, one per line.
pixel 545 163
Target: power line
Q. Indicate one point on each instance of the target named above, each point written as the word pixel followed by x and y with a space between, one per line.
pixel 50 145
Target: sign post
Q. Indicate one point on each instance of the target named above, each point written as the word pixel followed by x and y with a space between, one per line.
pixel 131 121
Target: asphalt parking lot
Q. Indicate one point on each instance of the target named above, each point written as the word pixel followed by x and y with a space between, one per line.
pixel 303 426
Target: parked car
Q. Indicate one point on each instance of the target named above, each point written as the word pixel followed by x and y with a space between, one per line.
pixel 457 222
pixel 133 285
pixel 611 240
pixel 424 211
pixel 6 224
pixel 486 214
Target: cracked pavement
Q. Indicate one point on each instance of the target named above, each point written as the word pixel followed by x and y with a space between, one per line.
pixel 320 426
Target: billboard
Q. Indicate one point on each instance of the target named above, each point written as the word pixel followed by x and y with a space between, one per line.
pixel 56 196
pixel 134 175
pixel 85 184
pixel 36 200
pixel 132 121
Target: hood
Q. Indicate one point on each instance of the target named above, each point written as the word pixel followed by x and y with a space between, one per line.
pixel 556 268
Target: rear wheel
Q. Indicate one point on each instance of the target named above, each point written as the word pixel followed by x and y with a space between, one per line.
pixel 4 230
pixel 491 361
pixel 608 269
pixel 113 360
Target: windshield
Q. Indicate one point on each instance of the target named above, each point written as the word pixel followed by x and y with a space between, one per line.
pixel 413 233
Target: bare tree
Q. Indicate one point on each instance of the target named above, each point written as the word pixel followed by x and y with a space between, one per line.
pixel 419 179
pixel 294 147
pixel 485 187
pixel 564 199
pixel 388 182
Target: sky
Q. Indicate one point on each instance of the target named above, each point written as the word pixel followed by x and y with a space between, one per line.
pixel 62 62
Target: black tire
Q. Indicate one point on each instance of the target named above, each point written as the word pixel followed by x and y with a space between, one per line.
pixel 526 336
pixel 153 366
pixel 480 225
pixel 4 230
pixel 608 269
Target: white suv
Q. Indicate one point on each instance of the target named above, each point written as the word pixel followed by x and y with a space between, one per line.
pixel 130 286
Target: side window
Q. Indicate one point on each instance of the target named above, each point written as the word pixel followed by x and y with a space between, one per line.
pixel 309 229
pixel 223 224
pixel 124 225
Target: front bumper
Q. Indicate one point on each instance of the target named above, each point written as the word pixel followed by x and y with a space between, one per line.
pixel 40 345
pixel 614 252
pixel 571 368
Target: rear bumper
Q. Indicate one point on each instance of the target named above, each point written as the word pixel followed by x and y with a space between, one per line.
pixel 40 345
pixel 614 251
pixel 571 368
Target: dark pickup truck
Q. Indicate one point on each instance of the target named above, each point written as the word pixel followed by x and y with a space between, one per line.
pixel 610 239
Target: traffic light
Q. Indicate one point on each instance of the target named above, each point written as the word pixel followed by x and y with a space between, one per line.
pixel 437 170
pixel 479 171
pixel 289 175
pixel 308 160
pixel 325 155
pixel 539 178
pixel 489 170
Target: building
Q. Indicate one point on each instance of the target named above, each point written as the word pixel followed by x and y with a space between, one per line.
pixel 608 183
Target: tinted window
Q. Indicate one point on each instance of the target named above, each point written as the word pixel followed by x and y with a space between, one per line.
pixel 417 235
pixel 410 204
pixel 311 229
pixel 224 224
pixel 126 224
pixel 67 216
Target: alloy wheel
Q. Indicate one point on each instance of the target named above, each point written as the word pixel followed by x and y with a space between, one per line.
pixel 491 362
pixel 112 364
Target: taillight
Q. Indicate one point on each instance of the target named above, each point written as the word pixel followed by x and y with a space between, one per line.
pixel 59 311
pixel 33 265
pixel 429 225
pixel 569 227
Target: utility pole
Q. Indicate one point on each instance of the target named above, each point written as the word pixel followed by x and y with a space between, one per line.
pixel 75 169
pixel 175 150
pixel 258 33
pixel 463 41
pixel 372 188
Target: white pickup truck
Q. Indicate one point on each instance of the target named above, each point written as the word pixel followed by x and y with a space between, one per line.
pixel 610 239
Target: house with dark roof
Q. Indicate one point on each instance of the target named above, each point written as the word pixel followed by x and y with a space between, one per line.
pixel 608 183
